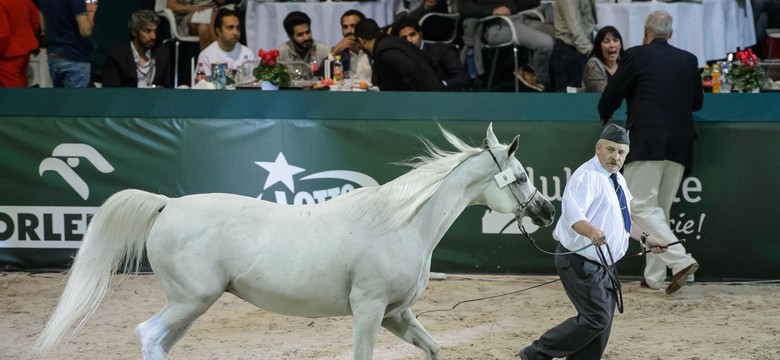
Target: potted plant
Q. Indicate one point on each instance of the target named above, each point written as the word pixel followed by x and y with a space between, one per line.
pixel 745 74
pixel 270 71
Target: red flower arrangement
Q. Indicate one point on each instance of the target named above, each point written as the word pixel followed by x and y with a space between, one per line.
pixel 271 70
pixel 744 72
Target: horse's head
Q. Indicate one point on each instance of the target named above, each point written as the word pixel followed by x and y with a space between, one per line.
pixel 510 189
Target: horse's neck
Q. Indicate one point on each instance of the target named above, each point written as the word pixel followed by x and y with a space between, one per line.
pixel 453 195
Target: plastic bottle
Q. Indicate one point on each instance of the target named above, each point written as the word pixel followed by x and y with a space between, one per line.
pixel 471 65
pixel 314 65
pixel 706 79
pixel 200 73
pixel 218 76
pixel 715 78
pixel 725 85
pixel 338 70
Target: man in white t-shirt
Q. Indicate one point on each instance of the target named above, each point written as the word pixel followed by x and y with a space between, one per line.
pixel 226 49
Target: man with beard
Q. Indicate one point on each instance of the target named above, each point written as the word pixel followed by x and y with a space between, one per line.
pixel 356 63
pixel 301 46
pixel 226 50
pixel 398 65
pixel 140 64
pixel 443 57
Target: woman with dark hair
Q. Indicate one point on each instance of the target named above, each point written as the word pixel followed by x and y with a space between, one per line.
pixel 603 61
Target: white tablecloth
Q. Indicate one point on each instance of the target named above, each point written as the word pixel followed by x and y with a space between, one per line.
pixel 264 29
pixel 709 30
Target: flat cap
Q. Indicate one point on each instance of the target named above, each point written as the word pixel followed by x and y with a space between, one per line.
pixel 615 133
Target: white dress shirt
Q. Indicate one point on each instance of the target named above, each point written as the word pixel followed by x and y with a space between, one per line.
pixel 589 195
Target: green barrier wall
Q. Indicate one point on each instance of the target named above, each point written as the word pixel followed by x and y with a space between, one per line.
pixel 63 152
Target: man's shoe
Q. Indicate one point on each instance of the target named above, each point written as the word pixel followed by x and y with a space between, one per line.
pixel 523 356
pixel 528 78
pixel 643 283
pixel 679 279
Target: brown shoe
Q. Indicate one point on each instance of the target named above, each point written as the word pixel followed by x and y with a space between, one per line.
pixel 679 279
pixel 528 77
pixel 643 283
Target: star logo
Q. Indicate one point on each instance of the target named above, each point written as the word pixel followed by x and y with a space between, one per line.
pixel 280 171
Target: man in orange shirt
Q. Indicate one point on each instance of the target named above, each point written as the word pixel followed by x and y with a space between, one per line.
pixel 19 23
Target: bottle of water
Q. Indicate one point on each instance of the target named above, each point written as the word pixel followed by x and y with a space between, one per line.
pixel 218 76
pixel 471 64
pixel 338 70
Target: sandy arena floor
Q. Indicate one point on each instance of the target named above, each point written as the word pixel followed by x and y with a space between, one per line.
pixel 706 321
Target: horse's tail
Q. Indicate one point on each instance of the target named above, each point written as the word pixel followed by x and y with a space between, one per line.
pixel 116 236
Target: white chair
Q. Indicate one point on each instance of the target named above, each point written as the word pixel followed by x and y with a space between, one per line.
pixel 438 21
pixel 772 35
pixel 161 8
pixel 510 41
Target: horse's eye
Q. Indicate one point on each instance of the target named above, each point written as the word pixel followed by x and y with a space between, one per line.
pixel 522 179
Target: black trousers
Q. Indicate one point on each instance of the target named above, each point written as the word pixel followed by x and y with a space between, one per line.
pixel 566 65
pixel 585 335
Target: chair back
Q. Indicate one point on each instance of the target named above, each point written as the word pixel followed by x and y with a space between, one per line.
pixel 440 27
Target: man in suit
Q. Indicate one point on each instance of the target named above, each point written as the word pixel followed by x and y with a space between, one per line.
pixel 442 57
pixel 139 65
pixel 662 87
pixel 398 65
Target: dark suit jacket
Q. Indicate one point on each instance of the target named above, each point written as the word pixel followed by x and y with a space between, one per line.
pixel 448 66
pixel 401 66
pixel 662 87
pixel 119 69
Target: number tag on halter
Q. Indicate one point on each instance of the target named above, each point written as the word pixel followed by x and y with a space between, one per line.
pixel 505 178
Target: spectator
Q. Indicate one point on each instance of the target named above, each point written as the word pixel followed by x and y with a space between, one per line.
pixel 19 24
pixel 68 25
pixel 301 46
pixel 443 57
pixel 196 17
pixel 765 12
pixel 603 60
pixel 662 87
pixel 140 64
pixel 531 34
pixel 398 65
pixel 575 23
pixel 226 49
pixel 593 211
pixel 356 62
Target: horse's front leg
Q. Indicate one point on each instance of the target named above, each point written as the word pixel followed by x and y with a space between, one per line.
pixel 366 317
pixel 406 327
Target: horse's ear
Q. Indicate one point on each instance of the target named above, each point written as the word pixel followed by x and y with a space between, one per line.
pixel 491 137
pixel 513 146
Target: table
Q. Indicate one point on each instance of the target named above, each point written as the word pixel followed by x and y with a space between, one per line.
pixel 709 30
pixel 264 29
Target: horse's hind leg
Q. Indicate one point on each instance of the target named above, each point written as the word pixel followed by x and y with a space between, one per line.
pixel 407 328
pixel 158 334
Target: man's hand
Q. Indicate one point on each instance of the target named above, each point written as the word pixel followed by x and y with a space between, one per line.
pixel 656 245
pixel 501 11
pixel 346 43
pixel 430 4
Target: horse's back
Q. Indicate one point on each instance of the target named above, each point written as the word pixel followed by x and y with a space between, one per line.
pixel 283 258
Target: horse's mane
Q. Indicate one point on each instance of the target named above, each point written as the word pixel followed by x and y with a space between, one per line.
pixel 395 202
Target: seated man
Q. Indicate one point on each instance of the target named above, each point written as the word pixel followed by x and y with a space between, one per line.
pixel 301 46
pixel 398 65
pixel 139 65
pixel 356 63
pixel 445 59
pixel 531 34
pixel 227 49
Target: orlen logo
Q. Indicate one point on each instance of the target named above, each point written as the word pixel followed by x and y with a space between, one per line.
pixel 72 153
pixel 280 171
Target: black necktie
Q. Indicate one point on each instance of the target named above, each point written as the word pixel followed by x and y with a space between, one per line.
pixel 623 207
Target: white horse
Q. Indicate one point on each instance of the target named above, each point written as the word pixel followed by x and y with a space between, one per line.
pixel 366 253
